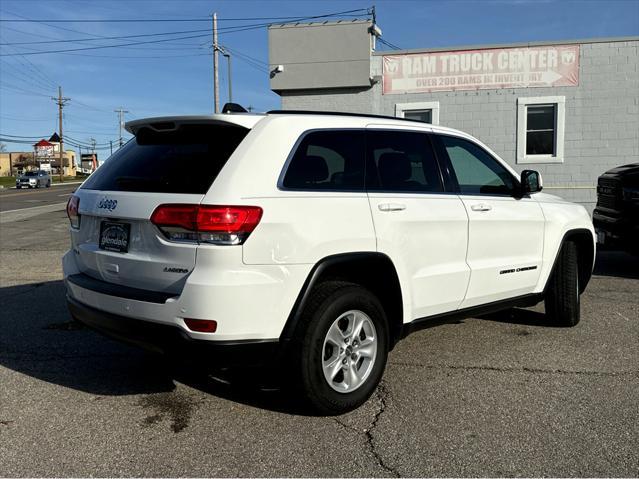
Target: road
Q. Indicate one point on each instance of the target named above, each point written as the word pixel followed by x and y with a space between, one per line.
pixel 505 395
pixel 12 199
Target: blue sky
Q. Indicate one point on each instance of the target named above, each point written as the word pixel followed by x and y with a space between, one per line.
pixel 176 77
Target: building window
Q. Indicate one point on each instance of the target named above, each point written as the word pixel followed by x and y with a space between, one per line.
pixel 426 111
pixel 425 116
pixel 540 129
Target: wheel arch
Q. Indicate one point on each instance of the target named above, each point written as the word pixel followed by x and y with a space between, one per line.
pixel 372 270
pixel 584 240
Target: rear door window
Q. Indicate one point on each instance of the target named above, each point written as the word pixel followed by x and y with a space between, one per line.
pixel 186 160
pixel 401 161
pixel 330 160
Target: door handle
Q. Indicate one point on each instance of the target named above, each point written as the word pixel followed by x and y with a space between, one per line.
pixel 481 207
pixel 391 207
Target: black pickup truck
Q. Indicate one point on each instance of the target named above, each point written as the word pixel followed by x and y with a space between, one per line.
pixel 616 217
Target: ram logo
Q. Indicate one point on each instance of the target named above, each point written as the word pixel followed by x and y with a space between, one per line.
pixel 568 58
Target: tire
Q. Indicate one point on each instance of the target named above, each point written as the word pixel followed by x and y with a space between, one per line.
pixel 49 184
pixel 334 312
pixel 562 295
pixel 37 184
pixel 18 187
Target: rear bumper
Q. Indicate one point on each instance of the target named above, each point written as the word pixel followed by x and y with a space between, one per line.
pixel 173 340
pixel 248 302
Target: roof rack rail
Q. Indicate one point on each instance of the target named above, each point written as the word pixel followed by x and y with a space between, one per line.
pixel 337 113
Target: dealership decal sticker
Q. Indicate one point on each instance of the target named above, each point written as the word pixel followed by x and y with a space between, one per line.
pixel 545 66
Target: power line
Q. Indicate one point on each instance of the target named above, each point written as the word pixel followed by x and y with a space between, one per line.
pixel 79 41
pixel 12 118
pixel 29 137
pixel 230 29
pixel 388 44
pixel 20 75
pixel 29 65
pixel 100 46
pixel 248 60
pixel 98 38
pixel 24 91
pixel 355 12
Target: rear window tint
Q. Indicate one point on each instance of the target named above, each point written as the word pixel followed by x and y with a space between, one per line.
pixel 186 160
pixel 331 160
pixel 401 161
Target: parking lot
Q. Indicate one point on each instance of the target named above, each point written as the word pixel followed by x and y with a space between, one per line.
pixel 503 395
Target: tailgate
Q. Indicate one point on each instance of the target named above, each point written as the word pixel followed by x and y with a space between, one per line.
pixel 143 258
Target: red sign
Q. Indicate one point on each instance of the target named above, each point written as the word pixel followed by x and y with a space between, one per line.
pixel 545 66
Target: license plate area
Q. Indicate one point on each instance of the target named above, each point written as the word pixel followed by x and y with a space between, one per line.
pixel 114 236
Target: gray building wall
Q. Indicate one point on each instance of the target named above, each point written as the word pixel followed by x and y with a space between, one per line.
pixel 601 123
pixel 343 60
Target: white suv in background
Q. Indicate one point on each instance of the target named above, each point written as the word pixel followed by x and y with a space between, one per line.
pixel 313 241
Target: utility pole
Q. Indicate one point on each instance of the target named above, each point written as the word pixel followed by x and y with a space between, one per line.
pixel 120 113
pixel 216 85
pixel 228 63
pixel 111 144
pixel 61 102
pixel 93 142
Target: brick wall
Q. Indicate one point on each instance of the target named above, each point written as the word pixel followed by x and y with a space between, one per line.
pixel 601 126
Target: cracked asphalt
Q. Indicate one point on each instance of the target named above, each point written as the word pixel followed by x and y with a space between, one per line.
pixel 503 395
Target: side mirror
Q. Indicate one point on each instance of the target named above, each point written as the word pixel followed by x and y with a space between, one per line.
pixel 531 181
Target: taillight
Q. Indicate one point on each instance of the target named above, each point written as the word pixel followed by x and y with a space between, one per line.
pixel 73 206
pixel 225 225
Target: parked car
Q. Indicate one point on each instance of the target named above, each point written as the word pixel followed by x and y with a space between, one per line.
pixel 313 242
pixel 616 217
pixel 33 179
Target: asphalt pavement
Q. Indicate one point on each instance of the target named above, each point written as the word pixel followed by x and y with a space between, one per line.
pixel 504 395
pixel 14 199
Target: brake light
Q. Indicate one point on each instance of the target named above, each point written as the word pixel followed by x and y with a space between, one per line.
pixel 73 207
pixel 224 225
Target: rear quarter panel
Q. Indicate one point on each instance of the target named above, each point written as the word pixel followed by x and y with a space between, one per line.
pixel 297 227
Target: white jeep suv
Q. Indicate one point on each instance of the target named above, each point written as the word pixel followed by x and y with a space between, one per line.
pixel 313 240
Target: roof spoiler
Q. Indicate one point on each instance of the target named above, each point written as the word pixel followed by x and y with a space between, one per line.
pixel 171 123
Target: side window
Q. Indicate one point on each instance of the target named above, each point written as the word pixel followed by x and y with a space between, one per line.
pixel 401 161
pixel 477 172
pixel 331 160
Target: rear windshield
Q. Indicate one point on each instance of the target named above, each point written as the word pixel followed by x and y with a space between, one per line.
pixel 186 160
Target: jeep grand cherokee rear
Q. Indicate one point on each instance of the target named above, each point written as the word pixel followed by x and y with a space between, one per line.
pixel 139 223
